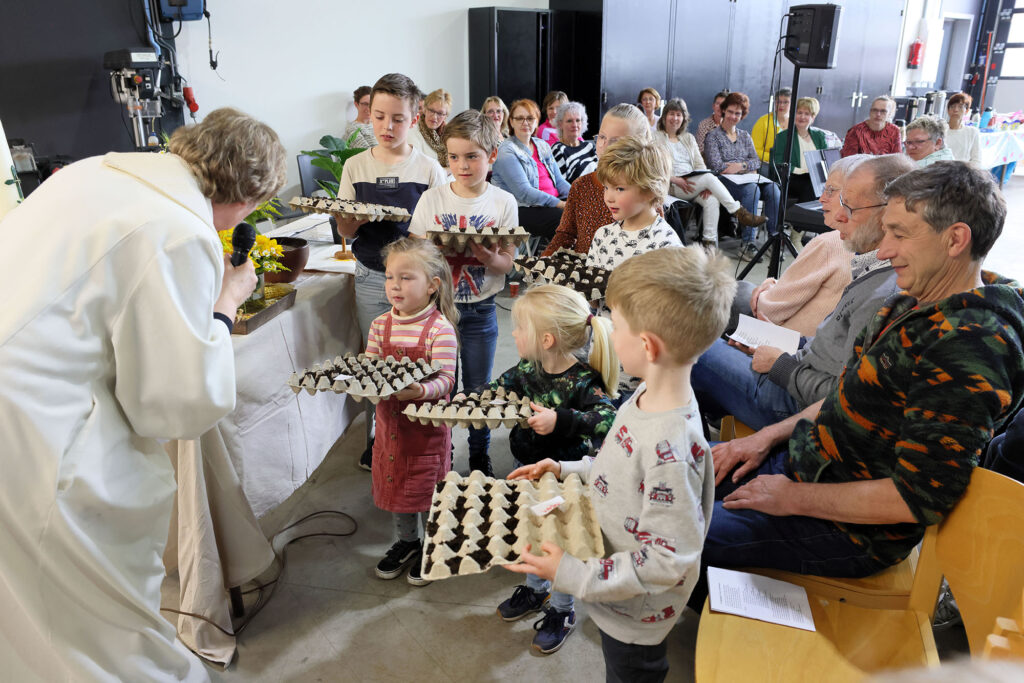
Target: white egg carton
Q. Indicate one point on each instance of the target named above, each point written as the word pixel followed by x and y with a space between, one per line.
pixel 489 409
pixel 458 239
pixel 346 208
pixel 565 267
pixel 478 522
pixel 361 376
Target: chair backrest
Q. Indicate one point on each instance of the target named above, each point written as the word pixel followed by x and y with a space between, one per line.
pixel 309 174
pixel 979 548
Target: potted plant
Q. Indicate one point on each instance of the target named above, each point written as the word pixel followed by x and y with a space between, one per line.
pixel 332 158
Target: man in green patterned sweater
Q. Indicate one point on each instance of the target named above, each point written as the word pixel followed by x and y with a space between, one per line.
pixel 847 487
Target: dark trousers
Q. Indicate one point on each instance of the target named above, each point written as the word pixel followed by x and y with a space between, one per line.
pixel 631 663
pixel 540 221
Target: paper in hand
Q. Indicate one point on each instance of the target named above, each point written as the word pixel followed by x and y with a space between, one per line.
pixel 753 333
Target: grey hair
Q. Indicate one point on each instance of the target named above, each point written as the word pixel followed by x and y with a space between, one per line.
pixel 954 192
pixel 934 126
pixel 884 169
pixel 890 103
pixel 847 164
pixel 639 127
pixel 571 108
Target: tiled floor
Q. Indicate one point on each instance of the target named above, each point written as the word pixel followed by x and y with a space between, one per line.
pixel 332 619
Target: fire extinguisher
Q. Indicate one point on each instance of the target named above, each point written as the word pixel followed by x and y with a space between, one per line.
pixel 916 54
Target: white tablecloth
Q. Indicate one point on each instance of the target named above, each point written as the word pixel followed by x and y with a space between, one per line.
pixel 1001 147
pixel 255 458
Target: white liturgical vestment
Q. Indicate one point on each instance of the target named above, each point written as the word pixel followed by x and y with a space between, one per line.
pixel 107 344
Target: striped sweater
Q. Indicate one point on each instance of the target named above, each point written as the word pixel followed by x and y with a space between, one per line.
pixel 441 345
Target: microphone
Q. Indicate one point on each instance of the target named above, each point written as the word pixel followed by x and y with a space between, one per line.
pixel 242 239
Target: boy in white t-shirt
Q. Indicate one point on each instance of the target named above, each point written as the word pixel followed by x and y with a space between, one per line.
pixel 478 273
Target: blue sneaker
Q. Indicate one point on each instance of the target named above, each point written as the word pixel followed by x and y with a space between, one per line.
pixel 553 629
pixel 523 602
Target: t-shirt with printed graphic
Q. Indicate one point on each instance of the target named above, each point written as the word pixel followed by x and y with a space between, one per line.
pixel 652 486
pixel 364 179
pixel 612 245
pixel 441 207
pixel 578 398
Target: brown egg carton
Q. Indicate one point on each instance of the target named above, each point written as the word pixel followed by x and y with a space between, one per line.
pixel 478 522
pixel 361 376
pixel 486 410
pixel 349 209
pixel 568 268
pixel 458 239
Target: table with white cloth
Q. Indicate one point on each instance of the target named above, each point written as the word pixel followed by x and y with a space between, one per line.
pixel 253 459
pixel 1001 148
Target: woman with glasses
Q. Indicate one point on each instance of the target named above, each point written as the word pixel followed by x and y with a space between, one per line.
pixel 574 155
pixel 526 168
pixel 494 109
pixel 808 139
pixel 366 138
pixel 426 135
pixel 925 136
pixel 874 135
pixel 963 141
pixel 649 100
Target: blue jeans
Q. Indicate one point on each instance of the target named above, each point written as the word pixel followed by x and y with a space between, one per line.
pixel 560 602
pixel 371 301
pixel 478 339
pixel 725 384
pixel 747 196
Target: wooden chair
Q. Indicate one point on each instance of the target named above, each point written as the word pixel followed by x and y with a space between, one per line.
pixel 979 549
pixel 1006 641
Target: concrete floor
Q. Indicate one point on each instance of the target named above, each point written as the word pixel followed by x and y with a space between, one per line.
pixel 331 619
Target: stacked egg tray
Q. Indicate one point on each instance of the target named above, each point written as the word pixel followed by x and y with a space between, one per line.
pixel 348 209
pixel 478 522
pixel 489 409
pixel 457 239
pixel 361 376
pixel 565 267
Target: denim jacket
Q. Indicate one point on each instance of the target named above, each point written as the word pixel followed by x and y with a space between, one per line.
pixel 516 172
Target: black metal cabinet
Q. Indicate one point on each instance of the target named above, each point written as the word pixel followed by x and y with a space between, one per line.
pixel 636 43
pixel 509 54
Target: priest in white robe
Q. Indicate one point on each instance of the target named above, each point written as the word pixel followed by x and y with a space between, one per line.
pixel 114 334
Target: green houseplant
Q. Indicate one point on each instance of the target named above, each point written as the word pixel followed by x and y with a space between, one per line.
pixel 332 158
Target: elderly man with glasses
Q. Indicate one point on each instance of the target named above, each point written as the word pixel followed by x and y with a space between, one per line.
pixel 875 135
pixel 774 385
pixel 925 141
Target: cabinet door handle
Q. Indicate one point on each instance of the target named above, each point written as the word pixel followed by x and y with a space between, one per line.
pixel 853 99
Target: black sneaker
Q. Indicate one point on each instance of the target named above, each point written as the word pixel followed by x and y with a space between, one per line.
pixel 398 558
pixel 524 601
pixel 366 459
pixel 415 575
pixel 553 629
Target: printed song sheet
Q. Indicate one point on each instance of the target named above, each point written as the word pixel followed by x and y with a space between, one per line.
pixel 758 597
pixel 753 333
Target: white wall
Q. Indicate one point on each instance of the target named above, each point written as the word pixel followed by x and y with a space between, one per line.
pixel 934 12
pixel 295 64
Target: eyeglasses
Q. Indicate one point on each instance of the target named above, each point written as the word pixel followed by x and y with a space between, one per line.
pixel 363 104
pixel 918 142
pixel 493 112
pixel 442 114
pixel 879 111
pixel 850 209
pixel 524 119
pixel 604 139
pixel 829 190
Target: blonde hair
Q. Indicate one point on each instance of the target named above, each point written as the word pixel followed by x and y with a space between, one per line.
pixel 439 95
pixel 653 93
pixel 639 127
pixel 565 315
pixel 429 257
pixel 641 164
pixel 473 126
pixel 234 157
pixel 681 294
pixel 810 104
pixel 504 112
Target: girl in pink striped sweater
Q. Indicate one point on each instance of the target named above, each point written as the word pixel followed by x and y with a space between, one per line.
pixel 409 458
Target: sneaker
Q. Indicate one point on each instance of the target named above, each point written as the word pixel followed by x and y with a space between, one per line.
pixel 524 601
pixel 366 459
pixel 398 558
pixel 947 613
pixel 415 575
pixel 747 251
pixel 747 219
pixel 553 629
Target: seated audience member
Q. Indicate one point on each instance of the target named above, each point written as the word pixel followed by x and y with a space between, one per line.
pixel 494 109
pixel 848 486
pixel 649 101
pixel 776 385
pixel 768 126
pixel 925 136
pixel 1005 453
pixel 809 289
pixel 808 139
pixel 705 189
pixel 711 122
pixel 728 151
pixel 526 168
pixel 585 210
pixel 548 131
pixel 875 135
pixel 366 138
pixel 574 155
pixel 964 141
pixel 427 133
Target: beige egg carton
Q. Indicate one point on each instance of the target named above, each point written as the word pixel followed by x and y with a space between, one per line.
pixel 361 376
pixel 568 268
pixel 487 410
pixel 349 209
pixel 457 239
pixel 478 522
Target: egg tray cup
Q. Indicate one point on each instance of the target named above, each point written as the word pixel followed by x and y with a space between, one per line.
pixel 346 209
pixel 487 410
pixel 458 239
pixel 479 522
pixel 565 267
pixel 361 376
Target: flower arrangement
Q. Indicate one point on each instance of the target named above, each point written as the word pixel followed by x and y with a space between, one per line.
pixel 265 254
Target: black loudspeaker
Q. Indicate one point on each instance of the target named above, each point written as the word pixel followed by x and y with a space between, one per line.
pixel 812 36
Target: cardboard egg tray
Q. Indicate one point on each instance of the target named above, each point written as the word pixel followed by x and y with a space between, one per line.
pixel 488 410
pixel 458 239
pixel 345 208
pixel 363 377
pixel 565 267
pixel 478 522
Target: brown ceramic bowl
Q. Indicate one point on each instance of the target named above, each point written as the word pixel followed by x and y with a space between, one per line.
pixel 296 253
